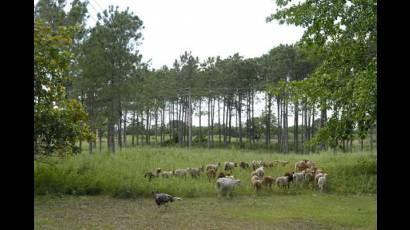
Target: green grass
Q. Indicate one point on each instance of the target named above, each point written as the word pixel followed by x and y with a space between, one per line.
pixel 306 211
pixel 121 174
pixel 348 203
pixel 260 144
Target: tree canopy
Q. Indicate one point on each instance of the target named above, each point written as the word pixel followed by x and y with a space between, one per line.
pixel 94 81
pixel 58 122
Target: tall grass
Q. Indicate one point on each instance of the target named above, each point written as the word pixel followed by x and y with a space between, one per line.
pixel 122 174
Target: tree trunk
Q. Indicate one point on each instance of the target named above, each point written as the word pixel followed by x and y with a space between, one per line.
pixel 133 128
pixel 110 136
pixel 163 123
pixel 313 121
pixel 171 121
pixel 147 136
pixel 200 115
pixel 186 127
pixel 190 118
pixel 177 119
pixel 230 119
pixel 137 128
pixel 361 144
pixel 323 118
pixel 156 122
pixel 313 126
pixel 279 132
pixel 252 118
pixel 179 124
pixel 119 123
pixel 100 139
pixel 125 129
pixel 219 123
pixel 308 114
pixel 295 125
pixel 212 120
pixel 225 121
pixel 95 141
pixel 209 122
pixel 90 147
pixel 282 127
pixel 268 125
pixel 248 117
pixel 266 120
pixel 239 120
pixel 308 130
pixel 185 122
pixel 306 126
pixel 143 129
pixel 119 134
pixel 236 118
pixel 111 133
pixel 371 139
pixel 285 126
pixel 302 129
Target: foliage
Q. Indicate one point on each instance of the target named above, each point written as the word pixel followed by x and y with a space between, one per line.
pixel 344 33
pixel 58 123
pixel 200 139
pixel 110 78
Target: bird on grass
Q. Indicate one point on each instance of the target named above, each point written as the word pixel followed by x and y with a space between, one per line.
pixel 163 198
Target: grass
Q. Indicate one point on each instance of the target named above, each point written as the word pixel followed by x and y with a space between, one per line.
pixel 305 211
pixel 121 174
pixel 63 187
pixel 260 144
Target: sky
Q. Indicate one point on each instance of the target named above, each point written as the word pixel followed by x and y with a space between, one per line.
pixel 205 27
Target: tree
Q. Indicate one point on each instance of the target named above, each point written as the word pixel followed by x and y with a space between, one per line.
pixel 58 122
pixel 345 82
pixel 109 61
pixel 52 12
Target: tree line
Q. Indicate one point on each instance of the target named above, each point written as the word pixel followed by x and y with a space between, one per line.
pixel 330 69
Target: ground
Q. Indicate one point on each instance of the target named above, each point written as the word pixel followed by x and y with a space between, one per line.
pixel 283 211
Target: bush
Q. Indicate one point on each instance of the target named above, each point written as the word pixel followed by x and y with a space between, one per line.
pixel 200 140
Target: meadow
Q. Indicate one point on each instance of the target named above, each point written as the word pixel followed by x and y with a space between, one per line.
pixel 122 174
pixel 109 191
pixel 288 212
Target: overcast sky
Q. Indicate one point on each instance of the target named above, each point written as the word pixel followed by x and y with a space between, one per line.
pixel 205 27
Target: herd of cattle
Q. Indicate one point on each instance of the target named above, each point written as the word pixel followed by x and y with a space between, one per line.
pixel 305 171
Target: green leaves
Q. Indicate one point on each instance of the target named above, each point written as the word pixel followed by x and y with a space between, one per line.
pixel 58 123
pixel 110 73
pixel 344 33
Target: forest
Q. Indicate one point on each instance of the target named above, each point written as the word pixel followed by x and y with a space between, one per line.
pixel 326 83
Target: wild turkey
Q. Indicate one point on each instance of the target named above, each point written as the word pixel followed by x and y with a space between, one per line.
pixel 163 198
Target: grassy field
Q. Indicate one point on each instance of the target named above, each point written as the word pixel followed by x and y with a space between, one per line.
pixel 307 211
pixel 63 187
pixel 121 174
pixel 260 144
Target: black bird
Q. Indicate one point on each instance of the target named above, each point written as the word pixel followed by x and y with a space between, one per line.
pixel 163 198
